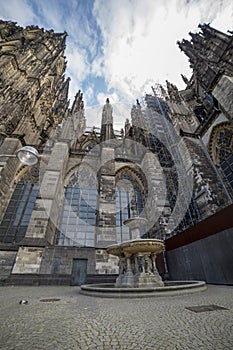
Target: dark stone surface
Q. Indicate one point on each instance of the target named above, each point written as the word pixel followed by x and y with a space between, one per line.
pixel 7 259
pixel 204 308
pixel 53 279
pixel 59 259
pixel 37 280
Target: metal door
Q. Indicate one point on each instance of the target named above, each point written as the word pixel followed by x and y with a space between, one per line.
pixel 79 272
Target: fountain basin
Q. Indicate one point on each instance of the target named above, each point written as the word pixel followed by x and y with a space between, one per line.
pixel 135 222
pixel 170 288
pixel 137 263
pixel 152 246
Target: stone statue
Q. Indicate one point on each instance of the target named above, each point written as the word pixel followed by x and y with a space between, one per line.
pixel 122 266
pixel 107 113
pixel 134 206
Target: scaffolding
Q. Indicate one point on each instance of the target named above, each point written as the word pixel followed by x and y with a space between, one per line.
pixel 166 143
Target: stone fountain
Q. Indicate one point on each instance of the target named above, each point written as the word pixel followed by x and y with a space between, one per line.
pixel 137 258
pixel 138 275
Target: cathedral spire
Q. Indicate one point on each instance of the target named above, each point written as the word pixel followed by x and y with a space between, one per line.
pixel 187 47
pixel 136 115
pixel 173 92
pixel 185 79
pixel 107 132
pixel 208 53
pixel 212 33
pixel 77 111
pixel 78 103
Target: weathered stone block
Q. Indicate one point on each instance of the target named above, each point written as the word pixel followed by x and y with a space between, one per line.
pixel 28 260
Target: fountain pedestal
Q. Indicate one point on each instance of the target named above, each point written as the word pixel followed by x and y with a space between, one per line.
pixel 137 259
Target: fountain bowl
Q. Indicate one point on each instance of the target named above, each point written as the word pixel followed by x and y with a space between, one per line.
pixel 154 246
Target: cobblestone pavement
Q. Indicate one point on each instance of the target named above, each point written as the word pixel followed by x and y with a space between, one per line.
pixel 88 323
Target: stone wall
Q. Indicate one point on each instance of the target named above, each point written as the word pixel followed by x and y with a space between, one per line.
pixel 7 259
pixel 105 263
pixel 45 215
pixel 59 260
pixel 223 92
pixel 28 260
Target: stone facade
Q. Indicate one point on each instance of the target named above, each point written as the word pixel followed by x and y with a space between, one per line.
pixel 201 109
pixel 57 260
pixel 170 164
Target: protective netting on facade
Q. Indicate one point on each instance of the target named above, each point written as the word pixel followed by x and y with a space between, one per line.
pixel 168 145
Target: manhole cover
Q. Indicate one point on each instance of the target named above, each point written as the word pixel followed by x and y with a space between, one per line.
pixel 204 308
pixel 49 300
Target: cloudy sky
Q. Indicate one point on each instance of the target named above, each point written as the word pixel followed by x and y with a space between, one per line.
pixel 119 48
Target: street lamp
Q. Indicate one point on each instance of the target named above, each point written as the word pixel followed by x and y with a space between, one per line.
pixel 27 155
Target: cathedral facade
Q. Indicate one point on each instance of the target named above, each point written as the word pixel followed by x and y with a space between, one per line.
pixel 172 163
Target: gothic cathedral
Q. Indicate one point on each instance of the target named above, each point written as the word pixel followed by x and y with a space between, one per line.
pixel 171 163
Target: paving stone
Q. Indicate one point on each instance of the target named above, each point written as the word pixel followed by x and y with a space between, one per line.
pixel 86 323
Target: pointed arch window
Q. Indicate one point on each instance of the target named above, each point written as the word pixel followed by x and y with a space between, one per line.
pixel 221 149
pixel 225 152
pixel 77 227
pixel 17 216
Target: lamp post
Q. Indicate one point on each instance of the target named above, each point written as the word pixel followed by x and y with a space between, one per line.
pixel 27 155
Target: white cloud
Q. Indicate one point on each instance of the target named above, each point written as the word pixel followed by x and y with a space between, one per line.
pixel 17 10
pixel 93 115
pixel 140 39
pixel 121 111
pixel 77 68
pixel 113 97
pixel 51 14
pixel 88 94
pixel 97 66
pixel 78 61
